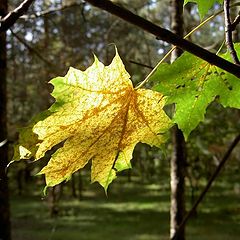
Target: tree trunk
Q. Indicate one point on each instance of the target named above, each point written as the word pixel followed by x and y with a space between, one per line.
pixel 5 233
pixel 80 186
pixel 73 186
pixel 178 160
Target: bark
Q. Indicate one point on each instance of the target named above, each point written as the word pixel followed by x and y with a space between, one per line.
pixel 4 195
pixel 178 165
pixel 228 32
pixel 178 160
pixel 9 19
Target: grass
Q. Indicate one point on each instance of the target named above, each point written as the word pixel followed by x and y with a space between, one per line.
pixel 131 211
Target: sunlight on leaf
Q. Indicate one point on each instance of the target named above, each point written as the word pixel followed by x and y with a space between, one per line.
pixel 192 84
pixel 28 140
pixel 100 117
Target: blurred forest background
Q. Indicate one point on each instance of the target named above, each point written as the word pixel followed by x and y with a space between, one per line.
pixel 44 43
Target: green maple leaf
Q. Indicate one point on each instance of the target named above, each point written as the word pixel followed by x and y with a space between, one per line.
pixel 204 5
pixel 100 118
pixel 192 84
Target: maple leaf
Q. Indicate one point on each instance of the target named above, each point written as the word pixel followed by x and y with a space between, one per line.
pixel 192 84
pixel 100 117
pixel 203 5
pixel 26 149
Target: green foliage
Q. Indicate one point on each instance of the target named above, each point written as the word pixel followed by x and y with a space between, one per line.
pixel 203 5
pixel 192 84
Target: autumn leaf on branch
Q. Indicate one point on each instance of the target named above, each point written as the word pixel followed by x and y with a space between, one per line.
pixel 100 118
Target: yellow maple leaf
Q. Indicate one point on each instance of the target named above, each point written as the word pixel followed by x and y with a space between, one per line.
pixel 100 117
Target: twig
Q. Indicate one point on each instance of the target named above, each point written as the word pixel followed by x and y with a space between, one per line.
pixel 31 49
pixel 50 11
pixel 2 143
pixel 141 64
pixel 8 21
pixel 209 184
pixel 235 22
pixel 166 35
pixel 228 32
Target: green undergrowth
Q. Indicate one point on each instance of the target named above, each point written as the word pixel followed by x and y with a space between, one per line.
pixel 131 211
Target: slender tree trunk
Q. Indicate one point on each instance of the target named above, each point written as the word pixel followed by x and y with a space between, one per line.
pixel 80 186
pixel 73 186
pixel 178 160
pixel 4 197
pixel 53 199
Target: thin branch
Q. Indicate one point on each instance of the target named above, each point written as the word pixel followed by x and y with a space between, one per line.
pixel 31 49
pixel 8 21
pixel 209 184
pixel 166 35
pixel 235 22
pixel 173 48
pixel 50 11
pixel 2 143
pixel 141 64
pixel 228 32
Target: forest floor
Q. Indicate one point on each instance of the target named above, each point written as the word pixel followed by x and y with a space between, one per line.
pixel 131 211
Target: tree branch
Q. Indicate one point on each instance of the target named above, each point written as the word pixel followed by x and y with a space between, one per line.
pixel 8 21
pixel 31 49
pixel 166 35
pixel 209 184
pixel 228 32
pixel 141 64
pixel 50 11
pixel 236 22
